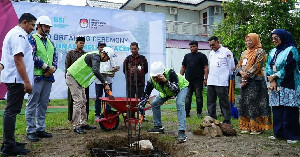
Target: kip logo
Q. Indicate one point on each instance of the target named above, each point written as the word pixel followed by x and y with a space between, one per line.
pixel 60 22
pixel 91 23
pixel 83 23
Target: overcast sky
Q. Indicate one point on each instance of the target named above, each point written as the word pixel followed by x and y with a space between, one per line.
pixel 83 2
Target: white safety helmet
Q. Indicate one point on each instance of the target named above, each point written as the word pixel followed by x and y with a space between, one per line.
pixel 44 20
pixel 157 68
pixel 109 51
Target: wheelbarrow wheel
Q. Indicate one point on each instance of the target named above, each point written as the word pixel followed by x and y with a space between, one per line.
pixel 111 124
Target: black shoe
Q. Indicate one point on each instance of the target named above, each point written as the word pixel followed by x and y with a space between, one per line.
pixel 145 120
pixel 43 134
pixel 17 143
pixel 14 151
pixel 79 130
pixel 157 130
pixel 32 137
pixel 87 127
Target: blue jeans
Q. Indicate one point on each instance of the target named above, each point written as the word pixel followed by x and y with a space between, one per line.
pixel 158 101
pixel 99 93
pixel 37 105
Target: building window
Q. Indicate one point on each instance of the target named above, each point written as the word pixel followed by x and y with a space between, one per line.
pixel 204 18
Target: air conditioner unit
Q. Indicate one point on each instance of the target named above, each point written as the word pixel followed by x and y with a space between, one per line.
pixel 173 11
pixel 217 9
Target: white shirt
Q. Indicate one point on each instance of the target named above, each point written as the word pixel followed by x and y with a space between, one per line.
pixel 105 70
pixel 221 65
pixel 16 41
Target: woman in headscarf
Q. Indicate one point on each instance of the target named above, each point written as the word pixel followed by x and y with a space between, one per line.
pixel 254 110
pixel 283 74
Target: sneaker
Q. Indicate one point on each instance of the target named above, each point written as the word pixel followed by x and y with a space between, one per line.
pixel 272 137
pixel 32 137
pixel 157 130
pixel 244 132
pixel 255 133
pixel 291 141
pixel 79 130
pixel 43 134
pixel 181 136
pixel 199 115
pixel 88 127
pixel 97 117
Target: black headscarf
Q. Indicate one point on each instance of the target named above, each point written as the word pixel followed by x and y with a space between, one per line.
pixel 287 40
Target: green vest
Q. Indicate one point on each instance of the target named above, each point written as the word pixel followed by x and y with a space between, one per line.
pixel 45 54
pixel 164 92
pixel 81 72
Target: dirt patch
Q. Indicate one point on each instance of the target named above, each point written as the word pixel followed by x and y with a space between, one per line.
pixel 66 143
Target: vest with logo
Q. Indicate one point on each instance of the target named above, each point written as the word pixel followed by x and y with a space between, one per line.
pixel 165 91
pixel 45 53
pixel 81 72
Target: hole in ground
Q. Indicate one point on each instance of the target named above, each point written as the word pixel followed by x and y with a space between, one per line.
pixel 116 145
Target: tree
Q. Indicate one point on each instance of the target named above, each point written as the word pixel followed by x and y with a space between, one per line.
pixel 256 16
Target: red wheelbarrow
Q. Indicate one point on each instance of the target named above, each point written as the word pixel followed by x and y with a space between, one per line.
pixel 109 120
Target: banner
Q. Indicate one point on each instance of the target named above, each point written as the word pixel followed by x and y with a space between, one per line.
pixel 117 28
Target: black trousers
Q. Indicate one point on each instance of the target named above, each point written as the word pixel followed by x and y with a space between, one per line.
pixel 15 97
pixel 70 104
pixel 222 93
pixel 197 87
pixel 286 122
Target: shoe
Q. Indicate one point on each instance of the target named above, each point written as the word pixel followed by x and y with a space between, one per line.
pixel 145 120
pixel 32 137
pixel 79 130
pixel 255 133
pixel 43 134
pixel 181 136
pixel 272 137
pixel 291 141
pixel 14 151
pixel 157 130
pixel 17 143
pixel 97 117
pixel 199 115
pixel 87 127
pixel 244 132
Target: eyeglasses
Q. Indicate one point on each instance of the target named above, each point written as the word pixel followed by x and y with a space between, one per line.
pixel 274 38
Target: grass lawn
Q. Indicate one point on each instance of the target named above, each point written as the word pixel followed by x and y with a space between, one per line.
pixel 57 117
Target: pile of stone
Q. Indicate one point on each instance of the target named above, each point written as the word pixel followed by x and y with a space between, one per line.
pixel 213 128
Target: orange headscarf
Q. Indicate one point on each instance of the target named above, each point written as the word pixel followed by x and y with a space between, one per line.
pixel 250 53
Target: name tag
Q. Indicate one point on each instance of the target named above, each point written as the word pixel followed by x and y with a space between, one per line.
pixel 274 68
pixel 245 61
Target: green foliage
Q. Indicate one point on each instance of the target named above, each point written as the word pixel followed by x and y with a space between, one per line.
pixel 256 16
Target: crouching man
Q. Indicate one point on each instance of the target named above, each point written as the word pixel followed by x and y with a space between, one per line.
pixel 169 84
pixel 78 77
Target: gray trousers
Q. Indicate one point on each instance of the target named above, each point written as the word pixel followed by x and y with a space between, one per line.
pixel 15 97
pixel 79 105
pixel 36 106
pixel 222 93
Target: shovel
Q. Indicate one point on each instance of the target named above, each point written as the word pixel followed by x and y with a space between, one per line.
pixel 111 97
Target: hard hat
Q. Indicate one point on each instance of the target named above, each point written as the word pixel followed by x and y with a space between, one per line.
pixel 109 51
pixel 157 68
pixel 44 20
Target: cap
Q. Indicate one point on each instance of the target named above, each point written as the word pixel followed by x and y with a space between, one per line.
pixel 80 39
pixel 101 43
pixel 157 68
